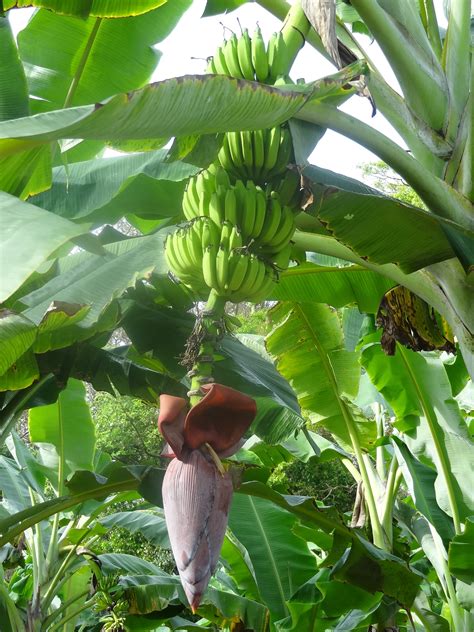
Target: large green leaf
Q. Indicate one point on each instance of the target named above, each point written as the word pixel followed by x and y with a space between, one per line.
pixel 388 572
pixel 308 347
pixel 13 88
pixel 67 425
pixel 151 525
pixel 107 189
pixel 27 173
pixel 239 566
pixel 425 535
pixel 429 419
pixel 84 8
pixel 461 553
pixel 14 487
pixel 69 61
pixel 151 589
pixel 319 604
pixel 379 228
pixel 58 328
pixel 377 571
pixel 160 334
pixel 336 286
pixel 83 486
pixel 33 471
pixel 17 334
pixel 129 564
pixel 174 107
pixel 108 370
pixel 420 481
pixel 280 559
pixel 95 280
pixel 28 236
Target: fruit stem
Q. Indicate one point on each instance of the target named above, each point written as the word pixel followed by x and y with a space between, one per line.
pixel 294 30
pixel 211 330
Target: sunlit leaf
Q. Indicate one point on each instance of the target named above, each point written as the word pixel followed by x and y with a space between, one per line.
pixel 28 236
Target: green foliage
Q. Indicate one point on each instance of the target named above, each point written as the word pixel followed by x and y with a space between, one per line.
pixel 121 540
pixel 254 322
pixel 329 482
pixel 385 179
pixel 126 428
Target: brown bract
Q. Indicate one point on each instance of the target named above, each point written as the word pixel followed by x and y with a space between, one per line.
pixel 219 419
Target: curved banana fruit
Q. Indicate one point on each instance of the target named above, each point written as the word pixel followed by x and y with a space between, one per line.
pixel 244 54
pixel 259 56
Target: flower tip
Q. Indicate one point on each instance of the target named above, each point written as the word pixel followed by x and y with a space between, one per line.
pixel 194 598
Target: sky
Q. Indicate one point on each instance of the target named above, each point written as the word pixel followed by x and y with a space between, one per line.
pixel 194 39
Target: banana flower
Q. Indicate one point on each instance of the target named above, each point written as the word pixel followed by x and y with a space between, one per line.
pixel 197 490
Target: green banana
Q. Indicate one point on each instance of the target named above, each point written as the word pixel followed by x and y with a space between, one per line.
pixel 238 263
pixel 273 139
pixel 258 141
pixel 194 246
pixel 230 212
pixel 235 239
pixel 222 258
pixel 288 188
pixel 259 277
pixel 220 63
pixel 271 54
pixel 191 200
pixel 282 258
pixel 221 177
pixel 246 287
pixel 225 157
pixel 240 191
pixel 215 211
pixel 209 266
pixel 184 241
pixel 210 234
pixel 235 150
pixel 271 223
pixel 260 210
pixel 247 152
pixel 249 208
pixel 285 151
pixel 211 67
pixel 265 287
pixel 279 62
pixel 244 52
pixel 284 232
pixel 259 56
pixel 231 57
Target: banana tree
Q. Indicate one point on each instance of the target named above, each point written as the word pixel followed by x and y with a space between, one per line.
pixel 61 303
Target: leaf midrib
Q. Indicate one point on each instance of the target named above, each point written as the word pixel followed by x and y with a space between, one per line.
pixel 270 554
pixel 432 422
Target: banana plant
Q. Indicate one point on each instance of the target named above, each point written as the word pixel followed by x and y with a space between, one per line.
pixel 46 541
pixel 60 303
pixel 437 130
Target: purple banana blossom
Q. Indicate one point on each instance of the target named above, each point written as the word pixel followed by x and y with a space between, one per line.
pixel 196 495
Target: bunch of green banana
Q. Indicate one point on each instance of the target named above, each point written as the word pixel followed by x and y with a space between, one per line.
pixel 278 226
pixel 278 57
pixel 258 155
pixel 288 188
pixel 203 254
pixel 183 252
pixel 246 57
pixel 261 223
pixel 242 57
pixel 197 195
pixel 236 274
